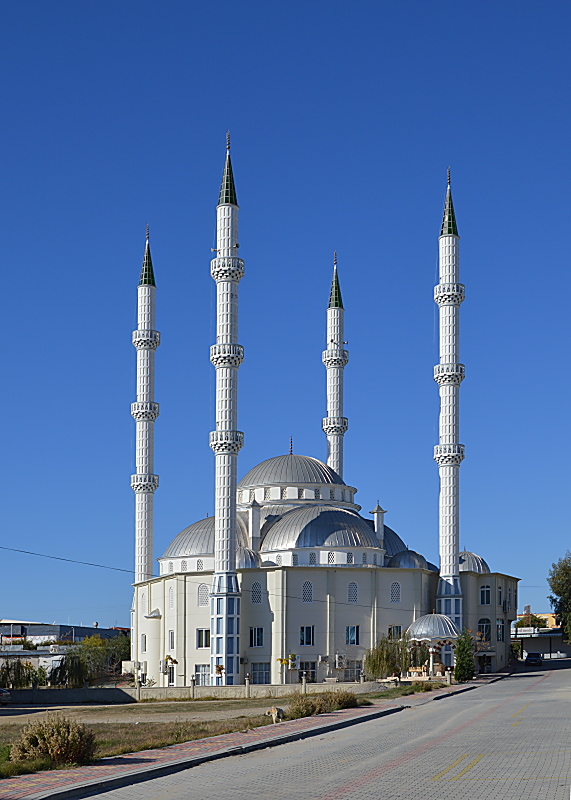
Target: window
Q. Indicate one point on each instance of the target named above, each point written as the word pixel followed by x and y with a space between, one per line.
pixel 294 560
pixel 144 603
pixel 499 595
pixel 306 635
pixel 350 558
pixel 279 561
pixel 202 637
pixel 203 593
pixel 375 559
pixel 318 494
pixel 202 674
pixel 267 493
pixel 485 629
pixel 309 669
pixel 171 640
pixel 307 592
pixel 509 597
pixel 352 634
pixel 500 630
pixel 332 494
pixel 143 643
pixel 352 671
pixel 313 558
pixel 256 593
pixel 200 565
pixel 364 558
pixel 171 597
pixel 331 558
pixel 183 566
pixel 256 637
pixel 395 592
pixel 395 631
pixel 170 674
pixel 299 493
pixel 352 592
pixel 261 672
pixel 485 595
pixel 171 566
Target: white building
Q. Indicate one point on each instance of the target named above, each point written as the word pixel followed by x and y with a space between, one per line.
pixel 288 568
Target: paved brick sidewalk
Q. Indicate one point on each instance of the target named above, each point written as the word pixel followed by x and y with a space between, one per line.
pixel 133 767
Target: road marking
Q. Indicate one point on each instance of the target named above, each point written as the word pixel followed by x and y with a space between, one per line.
pixel 469 767
pixel 516 723
pixel 521 709
pixel 444 771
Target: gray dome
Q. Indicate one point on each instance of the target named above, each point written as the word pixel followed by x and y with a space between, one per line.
pixel 393 543
pixel 432 567
pixel 432 627
pixel 408 559
pixel 290 470
pixel 319 526
pixel 198 540
pixel 247 559
pixel 470 562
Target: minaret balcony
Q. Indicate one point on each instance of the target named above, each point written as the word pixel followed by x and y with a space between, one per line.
pixel 335 357
pixel 144 483
pixel 229 442
pixel 449 374
pixel 335 425
pixel 145 411
pixel 449 294
pixel 226 355
pixel 449 455
pixel 146 340
pixel 227 269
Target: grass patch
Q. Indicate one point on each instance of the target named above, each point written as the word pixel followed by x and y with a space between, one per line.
pixel 405 691
pixel 304 705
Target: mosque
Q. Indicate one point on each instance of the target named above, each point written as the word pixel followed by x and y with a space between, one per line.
pixel 288 577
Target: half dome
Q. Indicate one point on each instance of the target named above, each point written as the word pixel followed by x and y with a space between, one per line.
pixel 432 627
pixel 408 559
pixel 319 526
pixel 470 562
pixel 290 470
pixel 198 540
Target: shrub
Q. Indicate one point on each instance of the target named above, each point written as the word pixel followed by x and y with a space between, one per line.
pixel 302 705
pixel 58 738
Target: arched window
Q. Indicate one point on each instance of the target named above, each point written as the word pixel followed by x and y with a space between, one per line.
pixel 184 566
pixel 395 592
pixel 500 630
pixel 307 592
pixel 294 560
pixel 484 629
pixel 256 592
pixel 279 561
pixel 352 592
pixel 375 559
pixel 203 593
pixel 171 597
pixel 313 558
pixel 144 603
pixel 199 565
pixel 364 558
pixel 171 566
pixel 485 595
pixel 331 558
pixel 350 558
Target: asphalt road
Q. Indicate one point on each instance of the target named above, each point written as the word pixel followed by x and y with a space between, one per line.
pixel 510 739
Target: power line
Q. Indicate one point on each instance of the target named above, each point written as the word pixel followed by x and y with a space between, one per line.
pixel 69 560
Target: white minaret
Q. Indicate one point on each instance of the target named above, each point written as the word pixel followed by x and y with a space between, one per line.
pixel 448 453
pixel 145 411
pixel 335 358
pixel 226 355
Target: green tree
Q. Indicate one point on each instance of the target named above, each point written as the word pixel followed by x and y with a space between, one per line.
pixel 388 657
pixel 531 621
pixel 559 580
pixel 464 661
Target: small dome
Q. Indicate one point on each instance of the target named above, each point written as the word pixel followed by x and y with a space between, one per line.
pixel 470 562
pixel 247 559
pixel 408 559
pixel 431 627
pixel 432 567
pixel 319 526
pixel 393 543
pixel 291 470
pixel 198 540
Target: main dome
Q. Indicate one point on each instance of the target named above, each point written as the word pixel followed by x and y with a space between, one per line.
pixel 319 526
pixel 291 470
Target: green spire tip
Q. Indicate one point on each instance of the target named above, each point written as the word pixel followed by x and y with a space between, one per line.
pixel 147 274
pixel 449 226
pixel 227 187
pixel 335 300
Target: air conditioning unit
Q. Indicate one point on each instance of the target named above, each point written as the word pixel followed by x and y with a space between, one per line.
pixel 340 659
pixel 323 659
pixel 293 662
pixel 136 665
pixel 163 667
pixel 143 667
pixel 243 660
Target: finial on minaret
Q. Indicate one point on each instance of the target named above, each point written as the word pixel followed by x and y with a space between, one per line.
pixel 335 259
pixel 448 176
pixel 228 140
pixel 291 445
pixel 147 232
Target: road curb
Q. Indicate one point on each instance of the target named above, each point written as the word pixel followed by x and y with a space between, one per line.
pixel 142 774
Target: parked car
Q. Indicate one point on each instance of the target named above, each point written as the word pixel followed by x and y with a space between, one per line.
pixel 534 659
pixel 4 697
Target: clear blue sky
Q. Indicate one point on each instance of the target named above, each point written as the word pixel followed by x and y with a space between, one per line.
pixel 344 118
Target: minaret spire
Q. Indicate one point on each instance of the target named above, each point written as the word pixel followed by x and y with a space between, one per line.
pixel 226 356
pixel 449 374
pixel 145 411
pixel 335 358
